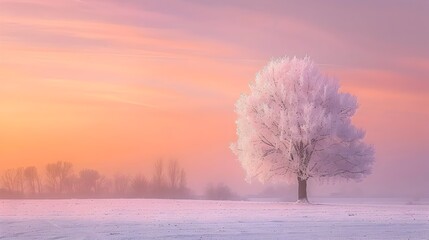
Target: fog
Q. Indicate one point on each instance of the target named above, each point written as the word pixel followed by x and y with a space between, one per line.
pixel 169 179
pixel 111 90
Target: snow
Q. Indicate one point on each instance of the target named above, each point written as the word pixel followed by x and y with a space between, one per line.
pixel 295 122
pixel 197 219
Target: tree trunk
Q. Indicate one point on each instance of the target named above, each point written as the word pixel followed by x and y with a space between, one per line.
pixel 302 190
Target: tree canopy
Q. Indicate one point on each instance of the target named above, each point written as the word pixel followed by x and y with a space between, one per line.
pixel 295 123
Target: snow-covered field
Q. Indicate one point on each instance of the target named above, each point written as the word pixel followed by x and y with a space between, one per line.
pixel 194 219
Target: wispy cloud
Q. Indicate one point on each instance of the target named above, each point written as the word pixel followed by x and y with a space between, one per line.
pixel 127 74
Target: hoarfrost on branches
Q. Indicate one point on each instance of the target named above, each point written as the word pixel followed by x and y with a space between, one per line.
pixel 296 124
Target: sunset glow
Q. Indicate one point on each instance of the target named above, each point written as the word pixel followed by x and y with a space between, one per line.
pixel 116 85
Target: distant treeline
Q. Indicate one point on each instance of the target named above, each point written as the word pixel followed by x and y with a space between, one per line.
pixel 59 180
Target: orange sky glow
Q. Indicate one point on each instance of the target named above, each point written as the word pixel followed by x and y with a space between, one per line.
pixel 116 85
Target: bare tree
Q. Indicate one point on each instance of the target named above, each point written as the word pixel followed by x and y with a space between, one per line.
pixel 139 186
pixel 176 180
pixel 8 180
pixel 32 180
pixel 103 185
pixel 121 184
pixel 174 172
pixel 61 181
pixel 66 176
pixel 88 179
pixel 59 176
pixel 182 180
pixel 52 180
pixel 13 180
pixel 158 181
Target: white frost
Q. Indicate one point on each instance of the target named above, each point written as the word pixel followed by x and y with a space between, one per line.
pixel 296 123
pixel 193 219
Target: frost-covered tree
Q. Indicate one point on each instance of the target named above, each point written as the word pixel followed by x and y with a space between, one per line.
pixel 295 124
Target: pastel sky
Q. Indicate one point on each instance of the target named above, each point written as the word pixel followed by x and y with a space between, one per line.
pixel 115 85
